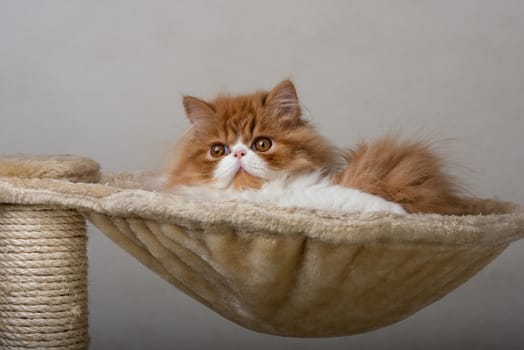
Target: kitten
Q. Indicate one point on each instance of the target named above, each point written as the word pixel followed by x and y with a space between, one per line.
pixel 258 147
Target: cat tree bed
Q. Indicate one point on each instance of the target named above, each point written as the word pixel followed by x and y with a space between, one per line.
pixel 292 272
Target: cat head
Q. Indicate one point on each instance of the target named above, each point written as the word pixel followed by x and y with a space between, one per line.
pixel 243 141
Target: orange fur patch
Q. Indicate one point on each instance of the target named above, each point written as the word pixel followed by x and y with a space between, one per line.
pixel 408 173
pixel 243 181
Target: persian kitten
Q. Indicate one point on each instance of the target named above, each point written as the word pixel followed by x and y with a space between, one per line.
pixel 258 147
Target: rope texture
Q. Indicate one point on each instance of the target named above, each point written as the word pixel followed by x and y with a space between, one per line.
pixel 43 278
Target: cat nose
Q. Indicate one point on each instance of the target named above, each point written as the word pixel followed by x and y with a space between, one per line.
pixel 240 153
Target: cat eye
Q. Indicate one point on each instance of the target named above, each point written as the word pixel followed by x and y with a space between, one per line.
pixel 218 150
pixel 262 144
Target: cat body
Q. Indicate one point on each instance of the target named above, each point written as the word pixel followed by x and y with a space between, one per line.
pixel 259 148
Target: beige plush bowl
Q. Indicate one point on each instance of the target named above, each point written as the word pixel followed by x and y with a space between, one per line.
pixel 292 272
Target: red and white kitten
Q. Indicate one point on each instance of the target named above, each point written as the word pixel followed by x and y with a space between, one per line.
pixel 258 147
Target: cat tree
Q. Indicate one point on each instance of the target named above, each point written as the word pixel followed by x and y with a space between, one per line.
pixel 291 272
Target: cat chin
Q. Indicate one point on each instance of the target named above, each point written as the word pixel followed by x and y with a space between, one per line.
pixel 244 180
pixel 241 180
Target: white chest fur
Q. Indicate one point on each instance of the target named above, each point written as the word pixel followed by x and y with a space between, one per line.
pixel 305 191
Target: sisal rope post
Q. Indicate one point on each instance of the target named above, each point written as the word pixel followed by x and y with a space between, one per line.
pixel 43 278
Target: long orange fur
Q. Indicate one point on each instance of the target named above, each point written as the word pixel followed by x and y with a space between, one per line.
pixel 409 173
pixel 406 172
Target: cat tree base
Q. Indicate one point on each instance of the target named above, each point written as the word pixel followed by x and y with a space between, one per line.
pixel 285 271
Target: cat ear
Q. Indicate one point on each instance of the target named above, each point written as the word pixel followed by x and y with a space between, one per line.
pixel 197 109
pixel 283 98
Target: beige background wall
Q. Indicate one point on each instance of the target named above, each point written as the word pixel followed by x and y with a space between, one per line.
pixel 104 79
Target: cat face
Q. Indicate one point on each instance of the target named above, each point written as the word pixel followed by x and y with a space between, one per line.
pixel 244 141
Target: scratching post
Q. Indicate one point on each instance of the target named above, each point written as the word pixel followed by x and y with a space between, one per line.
pixel 43 260
pixel 43 278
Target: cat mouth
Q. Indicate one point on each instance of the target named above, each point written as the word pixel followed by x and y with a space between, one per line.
pixel 241 169
pixel 241 172
pixel 244 180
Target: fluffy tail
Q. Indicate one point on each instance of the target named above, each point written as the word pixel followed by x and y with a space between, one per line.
pixel 408 173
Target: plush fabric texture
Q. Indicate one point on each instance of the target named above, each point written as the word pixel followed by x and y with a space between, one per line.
pixel 72 168
pixel 292 272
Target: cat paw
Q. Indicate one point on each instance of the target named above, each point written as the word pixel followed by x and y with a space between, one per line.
pixel 388 207
pixel 397 209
